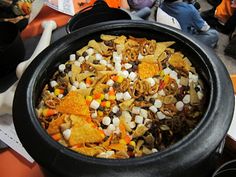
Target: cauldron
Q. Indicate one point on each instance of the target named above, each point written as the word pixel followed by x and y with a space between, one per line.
pixel 193 156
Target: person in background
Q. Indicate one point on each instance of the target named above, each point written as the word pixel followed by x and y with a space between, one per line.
pixel 190 21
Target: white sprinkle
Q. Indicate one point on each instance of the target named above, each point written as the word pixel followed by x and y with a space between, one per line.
pixel 127 116
pixel 106 120
pixel 82 85
pixel 119 96
pixel 53 83
pixel 66 133
pixel 158 103
pixel 144 113
pixel 76 84
pixel 60 96
pixel 72 57
pixel 179 105
pixel 140 56
pixel 160 115
pixel 186 99
pixel 73 88
pixel 127 96
pixel 115 109
pixel 132 76
pixel 139 119
pixel 81 59
pixel 103 62
pixel 90 51
pixel 153 109
pixel 128 66
pixel 136 110
pixel 132 124
pixel 200 95
pixel 111 127
pixel 94 104
pixel 151 81
pixel 116 121
pixel 162 93
pixel 77 63
pixel 62 67
pixel 98 56
pixel 94 115
pixel 110 82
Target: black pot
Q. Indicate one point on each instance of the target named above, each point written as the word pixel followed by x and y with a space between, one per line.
pixel 99 12
pixel 192 156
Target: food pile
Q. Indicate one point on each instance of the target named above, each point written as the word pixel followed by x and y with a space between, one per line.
pixel 122 97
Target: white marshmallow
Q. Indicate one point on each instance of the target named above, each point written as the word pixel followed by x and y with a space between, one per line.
pixel 136 110
pixel 179 105
pixel 81 59
pixel 70 73
pixel 66 133
pixel 60 96
pixel 98 56
pixel 73 88
pixel 158 103
pixel 103 62
pixel 94 104
pixel 200 95
pixel 132 76
pixel 144 113
pixel 119 96
pixel 167 71
pixel 90 51
pixel 154 150
pixel 62 67
pixel 117 66
pixel 72 57
pixel 138 119
pixel 151 81
pixel 116 57
pixel 115 109
pixel 132 124
pixel 106 120
pixel 53 83
pixel 153 109
pixel 82 85
pixel 116 121
pixel 128 66
pixel 186 99
pixel 110 82
pixel 160 115
pixel 162 93
pixel 76 84
pixel 127 96
pixel 111 127
pixel 140 56
pixel 94 115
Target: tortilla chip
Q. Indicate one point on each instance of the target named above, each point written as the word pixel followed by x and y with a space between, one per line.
pixel 177 61
pixel 120 39
pixel 54 125
pixel 106 37
pixel 146 70
pixel 82 76
pixel 75 72
pixel 118 147
pixel 85 92
pixel 90 151
pixel 161 47
pixel 74 103
pixel 79 120
pixel 86 133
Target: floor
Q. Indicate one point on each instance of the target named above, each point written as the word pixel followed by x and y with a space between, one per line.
pixel 229 62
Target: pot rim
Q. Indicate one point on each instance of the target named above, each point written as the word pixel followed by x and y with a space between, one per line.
pixel 219 78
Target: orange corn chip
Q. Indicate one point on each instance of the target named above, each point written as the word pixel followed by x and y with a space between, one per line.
pixel 90 151
pixel 146 70
pixel 74 103
pixel 118 147
pixel 86 133
pixel 54 125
